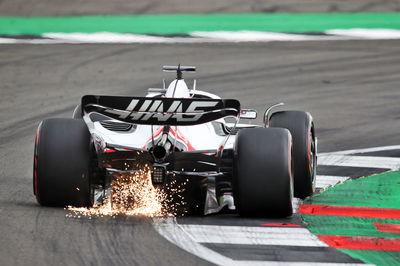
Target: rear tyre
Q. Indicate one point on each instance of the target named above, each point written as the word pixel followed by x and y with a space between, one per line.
pixel 62 163
pixel 300 124
pixel 77 114
pixel 262 178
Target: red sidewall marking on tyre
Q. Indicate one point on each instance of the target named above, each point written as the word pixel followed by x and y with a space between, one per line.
pixel 35 162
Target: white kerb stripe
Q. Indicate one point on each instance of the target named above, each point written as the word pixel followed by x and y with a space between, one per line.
pixel 289 263
pixel 206 37
pixel 367 33
pixel 252 235
pixel 176 234
pixel 296 203
pixel 173 232
pixel 360 161
pixel 325 181
pixel 374 149
pixel 251 36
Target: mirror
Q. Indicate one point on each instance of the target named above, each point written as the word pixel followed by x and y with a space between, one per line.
pixel 248 114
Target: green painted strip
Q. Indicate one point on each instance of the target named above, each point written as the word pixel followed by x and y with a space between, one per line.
pixel 347 226
pixel 184 24
pixel 378 191
pixel 383 258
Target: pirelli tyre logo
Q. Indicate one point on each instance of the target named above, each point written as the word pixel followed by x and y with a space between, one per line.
pixel 157 109
pixel 160 111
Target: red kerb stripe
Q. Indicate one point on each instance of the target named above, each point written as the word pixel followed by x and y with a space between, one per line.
pixel 282 225
pixel 362 242
pixel 366 212
pixel 388 228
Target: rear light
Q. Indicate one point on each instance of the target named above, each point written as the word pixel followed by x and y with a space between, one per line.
pixel 158 175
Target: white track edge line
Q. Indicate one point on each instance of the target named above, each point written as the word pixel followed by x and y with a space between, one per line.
pixel 206 37
pixel 174 233
pixel 364 150
pixel 253 235
pixel 360 161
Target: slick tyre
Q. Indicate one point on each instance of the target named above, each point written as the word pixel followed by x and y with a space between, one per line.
pixel 262 179
pixel 62 163
pixel 77 114
pixel 301 126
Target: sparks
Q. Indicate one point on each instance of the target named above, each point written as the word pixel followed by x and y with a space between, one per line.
pixel 135 195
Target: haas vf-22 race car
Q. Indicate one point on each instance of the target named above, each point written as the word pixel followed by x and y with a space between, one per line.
pixel 180 135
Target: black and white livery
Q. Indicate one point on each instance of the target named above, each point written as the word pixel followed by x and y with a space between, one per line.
pixel 183 136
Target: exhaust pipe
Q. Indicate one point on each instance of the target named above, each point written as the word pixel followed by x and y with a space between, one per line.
pixel 162 148
pixel 159 152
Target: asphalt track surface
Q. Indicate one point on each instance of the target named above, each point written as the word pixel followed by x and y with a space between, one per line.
pixel 350 87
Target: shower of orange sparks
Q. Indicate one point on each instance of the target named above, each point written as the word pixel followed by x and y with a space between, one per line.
pixel 135 195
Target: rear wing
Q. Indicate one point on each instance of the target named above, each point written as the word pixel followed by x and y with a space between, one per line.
pixel 160 111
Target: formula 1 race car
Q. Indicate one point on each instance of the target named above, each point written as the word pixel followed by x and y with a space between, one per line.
pixel 179 136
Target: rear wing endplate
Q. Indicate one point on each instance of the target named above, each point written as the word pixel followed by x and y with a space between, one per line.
pixel 160 111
